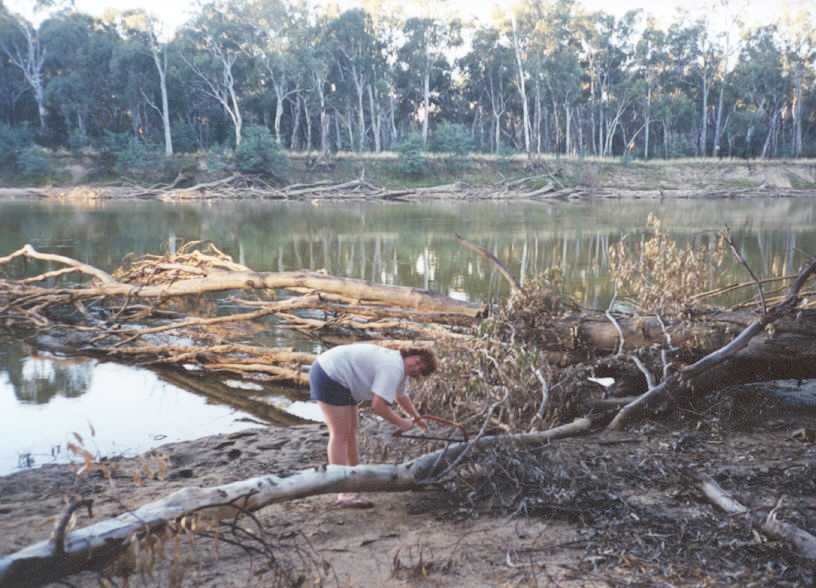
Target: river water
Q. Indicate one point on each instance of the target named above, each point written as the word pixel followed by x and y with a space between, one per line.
pixel 117 409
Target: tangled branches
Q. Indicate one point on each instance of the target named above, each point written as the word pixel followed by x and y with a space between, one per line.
pixel 154 310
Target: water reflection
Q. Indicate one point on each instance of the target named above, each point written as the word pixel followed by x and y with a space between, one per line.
pixel 414 244
pixel 117 410
pixel 36 379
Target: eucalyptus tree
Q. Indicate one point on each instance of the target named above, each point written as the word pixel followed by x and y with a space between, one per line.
pixel 555 49
pixel 519 50
pixel 653 63
pixel 215 49
pixel 22 44
pixel 607 46
pixel 81 49
pixel 489 69
pixel 312 51
pixel 278 30
pixel 143 32
pixel 798 28
pixel 764 89
pixel 358 54
pixel 424 53
pixel 13 87
pixel 133 75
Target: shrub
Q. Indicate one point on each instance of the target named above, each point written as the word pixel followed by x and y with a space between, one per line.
pixel 185 138
pixel 455 142
pixel 12 140
pixel 77 140
pixel 139 158
pixel 260 153
pixel 411 153
pixel 218 158
pixel 32 162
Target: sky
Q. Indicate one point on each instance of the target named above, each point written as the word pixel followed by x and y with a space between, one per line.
pixel 173 13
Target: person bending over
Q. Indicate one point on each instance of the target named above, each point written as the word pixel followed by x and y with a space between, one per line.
pixel 345 375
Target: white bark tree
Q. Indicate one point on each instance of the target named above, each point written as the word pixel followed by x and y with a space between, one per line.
pixel 28 55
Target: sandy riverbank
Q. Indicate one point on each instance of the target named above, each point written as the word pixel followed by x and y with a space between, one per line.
pixel 663 532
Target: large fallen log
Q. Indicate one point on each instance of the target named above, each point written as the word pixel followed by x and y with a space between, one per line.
pixel 93 546
pixel 220 281
pixel 700 375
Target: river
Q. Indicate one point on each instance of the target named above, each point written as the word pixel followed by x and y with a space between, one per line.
pixel 121 410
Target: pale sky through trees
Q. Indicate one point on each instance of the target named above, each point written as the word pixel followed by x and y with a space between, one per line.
pixel 174 13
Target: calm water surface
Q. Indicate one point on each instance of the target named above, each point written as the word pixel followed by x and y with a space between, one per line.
pixel 44 399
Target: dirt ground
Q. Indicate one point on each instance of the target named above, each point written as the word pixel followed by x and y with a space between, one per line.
pixel 600 510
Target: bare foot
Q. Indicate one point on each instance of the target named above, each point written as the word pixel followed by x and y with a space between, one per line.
pixel 352 501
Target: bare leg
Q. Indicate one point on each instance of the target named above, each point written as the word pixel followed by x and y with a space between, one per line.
pixel 352 450
pixel 341 421
pixel 343 425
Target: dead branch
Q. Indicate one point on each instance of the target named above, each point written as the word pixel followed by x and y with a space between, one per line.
pixel 770 525
pixel 514 284
pixel 744 263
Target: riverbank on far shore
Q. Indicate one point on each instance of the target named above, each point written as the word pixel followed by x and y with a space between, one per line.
pixel 377 176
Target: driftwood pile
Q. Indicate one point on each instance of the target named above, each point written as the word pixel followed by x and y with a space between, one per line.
pixel 142 312
pixel 539 187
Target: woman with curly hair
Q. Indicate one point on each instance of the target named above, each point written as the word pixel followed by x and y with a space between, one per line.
pixel 346 375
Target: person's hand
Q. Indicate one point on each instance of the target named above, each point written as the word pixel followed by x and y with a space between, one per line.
pixel 421 423
pixel 405 425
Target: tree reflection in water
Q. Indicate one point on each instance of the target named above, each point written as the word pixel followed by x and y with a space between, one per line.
pixel 36 379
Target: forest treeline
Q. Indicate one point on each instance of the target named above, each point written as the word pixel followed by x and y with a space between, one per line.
pixel 541 78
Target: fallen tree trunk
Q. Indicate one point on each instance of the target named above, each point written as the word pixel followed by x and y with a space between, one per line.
pixel 93 546
pixel 700 372
pixel 219 281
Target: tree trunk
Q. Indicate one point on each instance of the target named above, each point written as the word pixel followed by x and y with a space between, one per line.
pixel 718 126
pixel 796 151
pixel 307 118
pixel 324 119
pixel 703 140
pixel 648 122
pixel 359 85
pixel 766 146
pixel 522 87
pixel 375 119
pixel 161 67
pixel 426 95
pixel 279 106
pixel 293 139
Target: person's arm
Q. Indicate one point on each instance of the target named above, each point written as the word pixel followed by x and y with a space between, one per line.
pixel 381 407
pixel 408 406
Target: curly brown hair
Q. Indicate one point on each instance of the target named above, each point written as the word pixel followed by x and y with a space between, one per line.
pixel 429 361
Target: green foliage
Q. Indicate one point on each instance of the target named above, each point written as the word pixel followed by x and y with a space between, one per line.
pixel 32 162
pixel 185 139
pixel 455 142
pixel 412 161
pixel 139 159
pixel 77 140
pixel 219 158
pixel 12 140
pixel 260 153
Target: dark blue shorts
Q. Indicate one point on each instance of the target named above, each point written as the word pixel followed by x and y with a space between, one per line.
pixel 324 389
